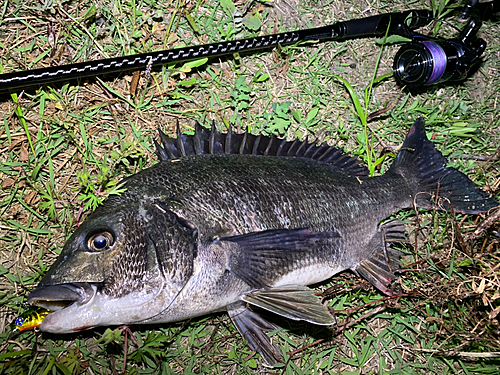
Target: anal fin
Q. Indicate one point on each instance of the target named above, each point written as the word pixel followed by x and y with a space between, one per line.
pixel 296 302
pixel 253 327
pixel 379 267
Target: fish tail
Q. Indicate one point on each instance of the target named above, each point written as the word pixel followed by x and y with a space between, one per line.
pixel 431 182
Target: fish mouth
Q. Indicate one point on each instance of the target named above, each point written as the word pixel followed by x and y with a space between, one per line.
pixel 60 296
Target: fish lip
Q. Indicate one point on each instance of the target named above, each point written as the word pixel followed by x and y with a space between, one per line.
pixel 59 296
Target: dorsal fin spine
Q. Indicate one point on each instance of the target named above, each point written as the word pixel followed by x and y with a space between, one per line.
pixel 332 155
pixel 256 145
pixel 180 143
pixel 325 154
pixel 198 147
pixel 271 140
pixel 290 150
pixel 319 151
pixel 206 141
pixel 280 147
pixel 311 147
pixel 302 146
pixel 229 136
pixel 168 145
pixel 211 143
pixel 243 143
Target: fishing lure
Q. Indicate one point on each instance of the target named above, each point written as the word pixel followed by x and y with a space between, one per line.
pixel 30 319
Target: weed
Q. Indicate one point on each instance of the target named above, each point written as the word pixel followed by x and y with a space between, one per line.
pixel 65 147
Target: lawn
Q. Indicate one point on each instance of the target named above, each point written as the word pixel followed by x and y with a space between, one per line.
pixel 64 148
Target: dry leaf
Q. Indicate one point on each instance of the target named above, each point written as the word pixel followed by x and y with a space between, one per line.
pixel 15 142
pixel 482 285
pixel 28 198
pixel 8 182
pixel 58 105
pixel 494 313
pixel 24 154
pixel 485 300
pixel 135 82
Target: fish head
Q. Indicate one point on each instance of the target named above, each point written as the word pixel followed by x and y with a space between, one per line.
pixel 124 264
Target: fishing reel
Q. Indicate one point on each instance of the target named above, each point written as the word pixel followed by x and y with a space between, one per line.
pixel 426 61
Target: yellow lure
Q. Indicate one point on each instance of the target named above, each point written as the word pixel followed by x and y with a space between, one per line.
pixel 30 319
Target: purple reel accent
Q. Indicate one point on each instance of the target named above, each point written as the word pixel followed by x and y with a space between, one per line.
pixel 439 61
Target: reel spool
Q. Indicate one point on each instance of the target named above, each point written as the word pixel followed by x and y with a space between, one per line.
pixel 427 61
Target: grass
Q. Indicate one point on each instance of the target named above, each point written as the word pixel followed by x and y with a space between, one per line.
pixel 65 147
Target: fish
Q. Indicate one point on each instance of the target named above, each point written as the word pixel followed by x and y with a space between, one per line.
pixel 244 224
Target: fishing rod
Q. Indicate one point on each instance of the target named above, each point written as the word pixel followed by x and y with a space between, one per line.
pixel 371 26
pixel 423 61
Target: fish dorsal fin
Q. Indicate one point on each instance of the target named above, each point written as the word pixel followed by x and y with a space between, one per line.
pixel 205 141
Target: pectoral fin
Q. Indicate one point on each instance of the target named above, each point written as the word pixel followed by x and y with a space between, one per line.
pixel 257 258
pixel 253 327
pixel 280 239
pixel 296 302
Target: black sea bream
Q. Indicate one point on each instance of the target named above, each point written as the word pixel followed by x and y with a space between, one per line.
pixel 243 223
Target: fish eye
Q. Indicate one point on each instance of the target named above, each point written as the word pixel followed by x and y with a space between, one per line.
pixel 100 241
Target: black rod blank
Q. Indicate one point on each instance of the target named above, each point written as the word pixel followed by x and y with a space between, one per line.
pixel 399 23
